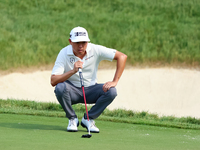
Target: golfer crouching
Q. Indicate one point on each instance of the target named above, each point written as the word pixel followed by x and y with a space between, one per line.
pixel 65 76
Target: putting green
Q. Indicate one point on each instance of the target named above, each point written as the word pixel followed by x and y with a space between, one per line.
pixel 22 132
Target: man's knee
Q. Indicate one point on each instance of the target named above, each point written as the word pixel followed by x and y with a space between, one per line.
pixel 112 92
pixel 60 87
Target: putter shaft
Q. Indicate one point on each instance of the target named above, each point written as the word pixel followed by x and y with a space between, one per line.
pixel 82 85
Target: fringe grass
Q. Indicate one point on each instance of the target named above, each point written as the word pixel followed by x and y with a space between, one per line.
pixel 118 115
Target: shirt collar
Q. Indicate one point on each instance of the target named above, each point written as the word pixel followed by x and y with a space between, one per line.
pixel 70 51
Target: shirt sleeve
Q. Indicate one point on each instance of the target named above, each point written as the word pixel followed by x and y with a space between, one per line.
pixel 106 53
pixel 58 68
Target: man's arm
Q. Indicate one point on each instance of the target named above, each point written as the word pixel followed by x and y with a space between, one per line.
pixel 121 61
pixel 55 79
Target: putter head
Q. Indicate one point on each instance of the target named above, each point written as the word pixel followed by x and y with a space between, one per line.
pixel 86 136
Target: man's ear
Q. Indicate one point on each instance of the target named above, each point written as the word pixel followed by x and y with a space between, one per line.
pixel 70 41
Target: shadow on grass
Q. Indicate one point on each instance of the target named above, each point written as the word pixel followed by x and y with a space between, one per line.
pixel 31 126
pixel 36 127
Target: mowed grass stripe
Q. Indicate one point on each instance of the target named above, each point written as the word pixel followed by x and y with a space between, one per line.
pixel 38 132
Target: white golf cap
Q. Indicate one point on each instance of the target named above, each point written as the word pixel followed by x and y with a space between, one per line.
pixel 79 34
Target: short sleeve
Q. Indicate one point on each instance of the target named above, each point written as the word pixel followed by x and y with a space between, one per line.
pixel 106 53
pixel 59 67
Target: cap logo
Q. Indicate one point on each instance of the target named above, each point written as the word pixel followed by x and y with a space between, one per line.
pixel 80 34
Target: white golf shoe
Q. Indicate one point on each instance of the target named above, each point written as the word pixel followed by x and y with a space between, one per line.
pixel 73 125
pixel 90 125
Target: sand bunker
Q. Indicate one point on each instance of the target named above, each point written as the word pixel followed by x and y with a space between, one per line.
pixel 164 91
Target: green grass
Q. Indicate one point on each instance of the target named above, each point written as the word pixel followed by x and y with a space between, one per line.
pixel 119 115
pixel 22 132
pixel 148 31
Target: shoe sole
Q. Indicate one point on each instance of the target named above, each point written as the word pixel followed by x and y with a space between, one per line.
pixel 84 126
pixel 72 130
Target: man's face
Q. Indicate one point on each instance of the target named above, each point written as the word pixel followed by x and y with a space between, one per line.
pixel 79 48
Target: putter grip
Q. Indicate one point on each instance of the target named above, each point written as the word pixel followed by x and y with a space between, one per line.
pixel 81 76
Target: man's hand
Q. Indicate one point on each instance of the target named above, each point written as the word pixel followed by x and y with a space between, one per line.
pixel 78 64
pixel 108 85
pixel 55 79
pixel 121 60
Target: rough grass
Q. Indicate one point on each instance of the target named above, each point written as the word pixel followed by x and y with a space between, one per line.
pixel 148 31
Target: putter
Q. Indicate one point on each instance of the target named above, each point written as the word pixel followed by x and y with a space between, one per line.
pixel 82 85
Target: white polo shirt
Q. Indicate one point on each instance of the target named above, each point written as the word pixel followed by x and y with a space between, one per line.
pixel 94 54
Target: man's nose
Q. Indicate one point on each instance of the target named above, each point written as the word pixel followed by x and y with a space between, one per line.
pixel 80 45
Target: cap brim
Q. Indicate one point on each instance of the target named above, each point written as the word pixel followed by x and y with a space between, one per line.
pixel 80 40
